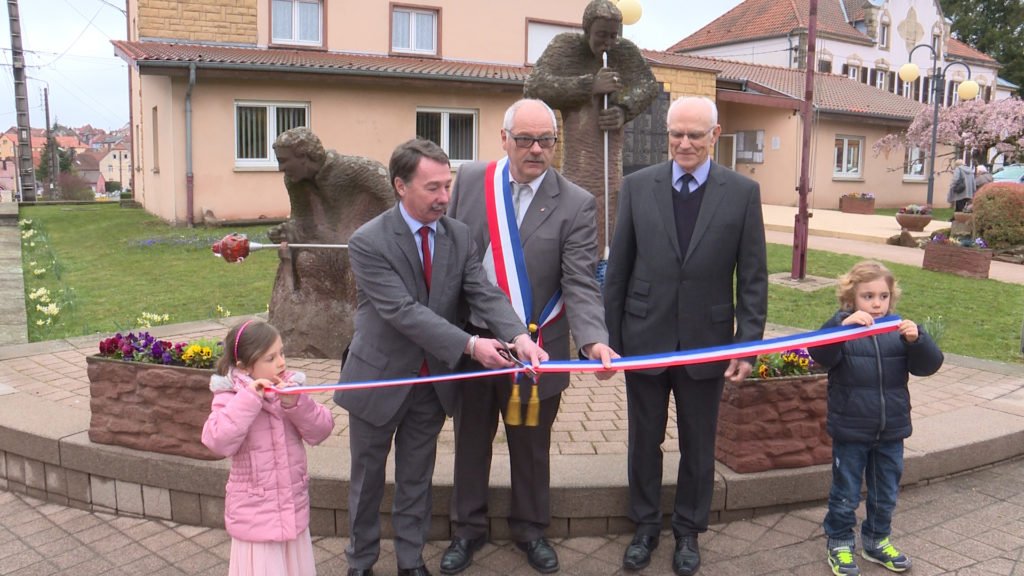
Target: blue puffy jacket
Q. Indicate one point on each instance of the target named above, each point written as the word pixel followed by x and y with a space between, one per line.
pixel 868 397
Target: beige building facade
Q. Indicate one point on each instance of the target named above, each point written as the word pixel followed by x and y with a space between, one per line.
pixel 213 82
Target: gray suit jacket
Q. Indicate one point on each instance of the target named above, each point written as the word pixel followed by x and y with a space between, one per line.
pixel 559 237
pixel 658 300
pixel 397 324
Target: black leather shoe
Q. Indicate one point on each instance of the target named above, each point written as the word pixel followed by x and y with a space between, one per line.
pixel 459 554
pixel 418 571
pixel 540 554
pixel 360 572
pixel 638 553
pixel 686 560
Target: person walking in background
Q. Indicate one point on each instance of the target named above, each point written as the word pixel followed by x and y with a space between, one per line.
pixel 413 266
pixel 981 177
pixel 869 416
pixel 687 230
pixel 961 189
pixel 554 236
pixel 266 505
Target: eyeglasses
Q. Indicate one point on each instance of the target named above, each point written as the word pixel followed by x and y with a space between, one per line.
pixel 692 136
pixel 527 141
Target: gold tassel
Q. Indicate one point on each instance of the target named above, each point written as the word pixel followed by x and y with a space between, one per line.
pixel 533 407
pixel 513 417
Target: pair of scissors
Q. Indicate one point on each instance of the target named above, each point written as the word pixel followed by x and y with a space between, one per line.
pixel 507 354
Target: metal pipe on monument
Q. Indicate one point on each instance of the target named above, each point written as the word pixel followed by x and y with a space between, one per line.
pixel 236 247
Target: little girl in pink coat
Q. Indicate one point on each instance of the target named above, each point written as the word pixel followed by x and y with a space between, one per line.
pixel 266 507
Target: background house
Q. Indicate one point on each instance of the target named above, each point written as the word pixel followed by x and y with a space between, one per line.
pixel 213 84
pixel 86 166
pixel 116 165
pixel 760 47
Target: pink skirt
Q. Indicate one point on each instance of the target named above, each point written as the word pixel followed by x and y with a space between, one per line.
pixel 291 558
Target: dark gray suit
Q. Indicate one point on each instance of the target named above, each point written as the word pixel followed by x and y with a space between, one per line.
pixel 658 300
pixel 397 325
pixel 559 239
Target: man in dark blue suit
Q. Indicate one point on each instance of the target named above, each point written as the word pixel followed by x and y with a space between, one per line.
pixel 686 230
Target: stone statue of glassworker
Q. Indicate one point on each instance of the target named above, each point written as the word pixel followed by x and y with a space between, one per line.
pixel 570 77
pixel 314 299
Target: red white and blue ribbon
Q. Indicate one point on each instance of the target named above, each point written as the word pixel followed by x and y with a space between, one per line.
pixel 813 339
pixel 507 249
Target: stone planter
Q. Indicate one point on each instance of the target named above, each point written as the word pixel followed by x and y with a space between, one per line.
pixel 962 225
pixel 959 260
pixel 913 222
pixel 149 406
pixel 764 424
pixel 852 205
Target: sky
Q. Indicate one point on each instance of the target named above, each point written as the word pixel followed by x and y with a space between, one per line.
pixel 68 50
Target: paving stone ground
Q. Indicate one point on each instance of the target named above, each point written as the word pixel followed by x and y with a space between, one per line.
pixel 972 524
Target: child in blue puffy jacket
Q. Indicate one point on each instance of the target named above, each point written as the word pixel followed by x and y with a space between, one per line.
pixel 869 416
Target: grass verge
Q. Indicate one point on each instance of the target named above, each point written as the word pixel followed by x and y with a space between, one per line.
pixel 109 269
pixel 981 318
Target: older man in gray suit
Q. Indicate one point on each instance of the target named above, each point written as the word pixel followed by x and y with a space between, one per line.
pixel 413 265
pixel 687 232
pixel 551 231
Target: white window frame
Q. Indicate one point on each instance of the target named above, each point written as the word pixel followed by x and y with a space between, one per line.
pixel 881 77
pixel 856 173
pixel 413 12
pixel 540 34
pixel 954 97
pixel 270 162
pixel 853 72
pixel 445 142
pixel 883 35
pixel 911 153
pixel 294 39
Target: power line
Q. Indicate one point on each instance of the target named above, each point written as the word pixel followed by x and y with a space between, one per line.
pixel 115 7
pixel 110 114
pixel 77 38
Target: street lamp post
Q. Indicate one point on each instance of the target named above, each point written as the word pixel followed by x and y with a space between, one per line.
pixel 967 90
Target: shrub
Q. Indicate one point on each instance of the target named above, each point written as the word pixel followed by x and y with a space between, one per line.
pixel 999 214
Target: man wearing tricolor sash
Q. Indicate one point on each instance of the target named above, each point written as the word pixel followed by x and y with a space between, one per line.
pixel 537 232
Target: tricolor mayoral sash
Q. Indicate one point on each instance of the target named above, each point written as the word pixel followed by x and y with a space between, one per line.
pixel 506 252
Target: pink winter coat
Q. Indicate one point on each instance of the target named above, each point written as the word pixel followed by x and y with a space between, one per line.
pixel 267 494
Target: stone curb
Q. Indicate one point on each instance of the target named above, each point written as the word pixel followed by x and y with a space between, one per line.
pixel 47 454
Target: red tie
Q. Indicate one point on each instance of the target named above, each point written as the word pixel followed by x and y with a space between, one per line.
pixel 427 269
pixel 425 235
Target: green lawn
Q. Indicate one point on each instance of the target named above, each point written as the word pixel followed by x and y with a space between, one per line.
pixel 981 318
pixel 104 266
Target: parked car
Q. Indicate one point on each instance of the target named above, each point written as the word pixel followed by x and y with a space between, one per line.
pixel 1010 173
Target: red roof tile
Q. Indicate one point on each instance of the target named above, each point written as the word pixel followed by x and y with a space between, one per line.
pixel 270 59
pixel 755 19
pixel 961 51
pixel 832 93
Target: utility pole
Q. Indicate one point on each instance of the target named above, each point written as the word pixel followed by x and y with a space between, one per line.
pixel 801 226
pixel 51 148
pixel 26 172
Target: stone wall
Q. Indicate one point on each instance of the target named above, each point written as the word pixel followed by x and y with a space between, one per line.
pixel 220 21
pixel 149 406
pixel 681 82
pixel 774 423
